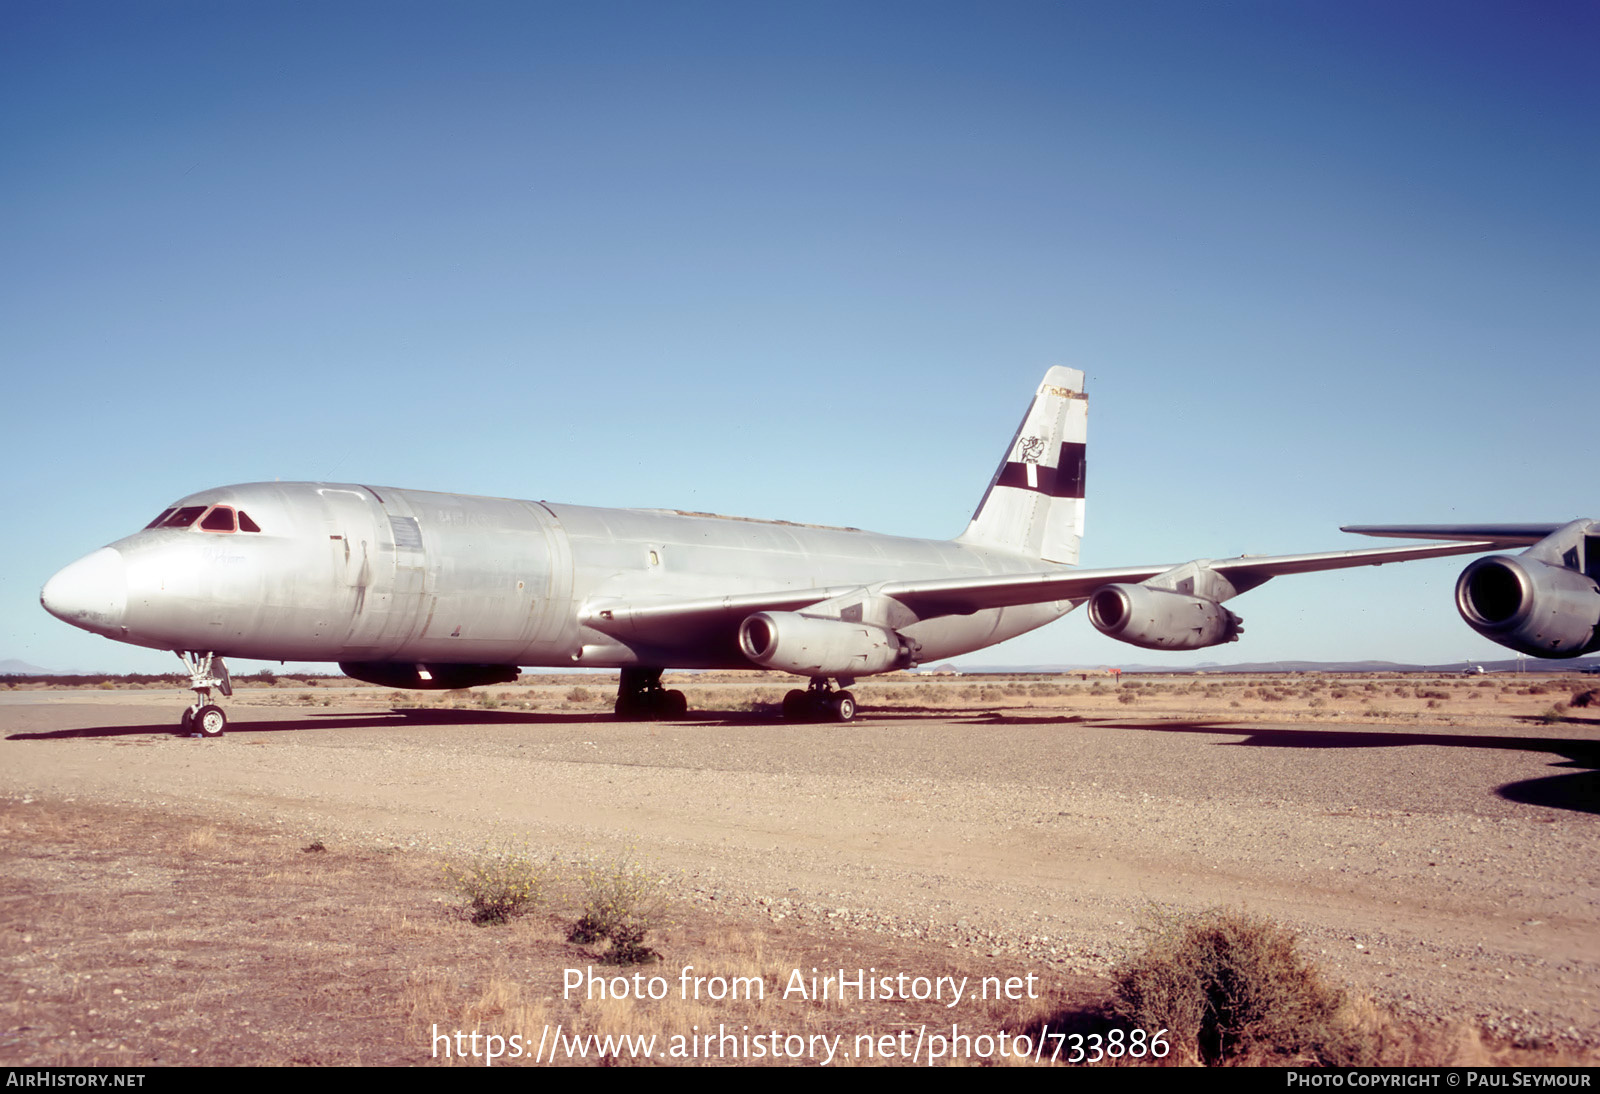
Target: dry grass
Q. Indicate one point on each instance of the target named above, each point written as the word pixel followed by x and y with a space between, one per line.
pixel 131 938
pixel 1228 986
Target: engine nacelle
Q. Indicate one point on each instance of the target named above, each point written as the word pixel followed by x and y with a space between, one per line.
pixel 405 674
pixel 1159 619
pixel 812 646
pixel 1530 606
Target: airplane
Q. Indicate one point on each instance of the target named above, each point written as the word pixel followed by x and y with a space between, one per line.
pixel 1544 602
pixel 423 590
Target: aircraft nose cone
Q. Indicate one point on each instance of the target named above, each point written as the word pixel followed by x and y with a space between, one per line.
pixel 92 593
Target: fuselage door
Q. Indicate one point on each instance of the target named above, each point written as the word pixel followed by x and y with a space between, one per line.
pixel 362 570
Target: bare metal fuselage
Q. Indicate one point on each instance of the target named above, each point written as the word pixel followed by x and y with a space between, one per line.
pixel 342 572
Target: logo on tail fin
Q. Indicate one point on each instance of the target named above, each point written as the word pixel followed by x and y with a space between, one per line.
pixel 1034 504
pixel 1064 480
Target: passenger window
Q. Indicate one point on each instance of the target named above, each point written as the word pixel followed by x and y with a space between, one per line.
pixel 219 519
pixel 246 524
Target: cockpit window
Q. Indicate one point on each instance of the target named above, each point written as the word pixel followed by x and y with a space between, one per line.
pixel 219 519
pixel 182 518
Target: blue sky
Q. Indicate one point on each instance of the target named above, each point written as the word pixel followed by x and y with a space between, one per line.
pixel 1323 263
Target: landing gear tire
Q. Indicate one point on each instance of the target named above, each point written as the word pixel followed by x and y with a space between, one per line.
pixel 640 697
pixel 206 671
pixel 796 706
pixel 210 721
pixel 673 705
pixel 842 706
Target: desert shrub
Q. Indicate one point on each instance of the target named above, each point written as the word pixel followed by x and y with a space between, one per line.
pixel 1227 985
pixel 1584 697
pixel 499 882
pixel 579 694
pixel 623 902
pixel 1128 697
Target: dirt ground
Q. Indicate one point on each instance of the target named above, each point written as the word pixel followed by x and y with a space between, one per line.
pixel 1433 843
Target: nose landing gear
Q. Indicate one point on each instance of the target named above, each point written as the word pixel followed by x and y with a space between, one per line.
pixel 206 671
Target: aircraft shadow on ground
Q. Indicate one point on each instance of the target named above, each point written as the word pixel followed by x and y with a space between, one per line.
pixel 1578 791
pixel 388 719
pixel 240 723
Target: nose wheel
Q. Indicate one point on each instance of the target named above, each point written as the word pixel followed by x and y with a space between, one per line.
pixel 206 671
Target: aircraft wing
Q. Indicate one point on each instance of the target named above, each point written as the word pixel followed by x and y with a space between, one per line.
pixel 1501 535
pixel 667 624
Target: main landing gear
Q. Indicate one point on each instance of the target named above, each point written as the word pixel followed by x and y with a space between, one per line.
pixel 641 698
pixel 206 671
pixel 820 703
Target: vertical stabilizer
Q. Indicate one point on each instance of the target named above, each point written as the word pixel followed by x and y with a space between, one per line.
pixel 1034 504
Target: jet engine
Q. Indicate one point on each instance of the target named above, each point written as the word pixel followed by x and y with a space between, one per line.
pixel 813 646
pixel 1530 606
pixel 1160 619
pixel 446 677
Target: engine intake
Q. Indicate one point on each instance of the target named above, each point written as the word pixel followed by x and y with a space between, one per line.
pixel 812 646
pixel 1530 606
pixel 1159 619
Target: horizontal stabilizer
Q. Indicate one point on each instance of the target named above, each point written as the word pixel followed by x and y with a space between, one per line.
pixel 1498 535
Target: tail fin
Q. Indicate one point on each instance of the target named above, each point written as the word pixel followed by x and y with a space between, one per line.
pixel 1034 504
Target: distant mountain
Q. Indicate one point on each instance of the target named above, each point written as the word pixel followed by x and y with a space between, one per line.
pixel 12 667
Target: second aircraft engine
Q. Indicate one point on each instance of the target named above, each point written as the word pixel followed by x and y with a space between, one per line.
pixel 1530 606
pixel 813 646
pixel 1160 619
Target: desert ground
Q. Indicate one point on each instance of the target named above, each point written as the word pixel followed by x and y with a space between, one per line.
pixel 281 894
